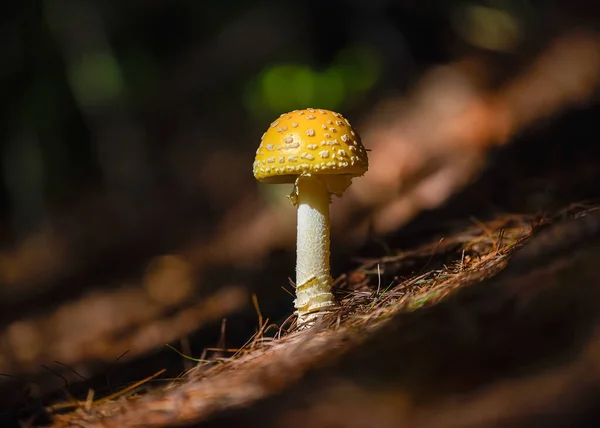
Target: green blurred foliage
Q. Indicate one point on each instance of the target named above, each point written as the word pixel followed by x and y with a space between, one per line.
pixel 96 78
pixel 285 86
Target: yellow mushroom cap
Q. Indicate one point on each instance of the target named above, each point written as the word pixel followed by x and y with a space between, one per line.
pixel 311 141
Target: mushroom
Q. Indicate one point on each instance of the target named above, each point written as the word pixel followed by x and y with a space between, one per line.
pixel 320 152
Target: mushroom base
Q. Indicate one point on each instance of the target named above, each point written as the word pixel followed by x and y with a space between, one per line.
pixel 313 296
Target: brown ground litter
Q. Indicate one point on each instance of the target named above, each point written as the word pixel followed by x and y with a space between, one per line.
pixel 278 356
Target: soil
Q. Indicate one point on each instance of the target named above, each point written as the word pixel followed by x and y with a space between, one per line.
pixel 499 328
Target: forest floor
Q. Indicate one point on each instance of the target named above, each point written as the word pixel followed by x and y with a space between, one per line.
pixel 414 331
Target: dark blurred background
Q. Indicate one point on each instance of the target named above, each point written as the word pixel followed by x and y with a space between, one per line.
pixel 129 216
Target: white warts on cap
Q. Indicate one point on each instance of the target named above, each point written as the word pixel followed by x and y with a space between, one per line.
pixel 308 135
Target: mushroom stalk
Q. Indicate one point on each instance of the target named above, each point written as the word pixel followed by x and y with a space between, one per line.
pixel 313 278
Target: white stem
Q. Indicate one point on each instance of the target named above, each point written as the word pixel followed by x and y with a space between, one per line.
pixel 313 278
